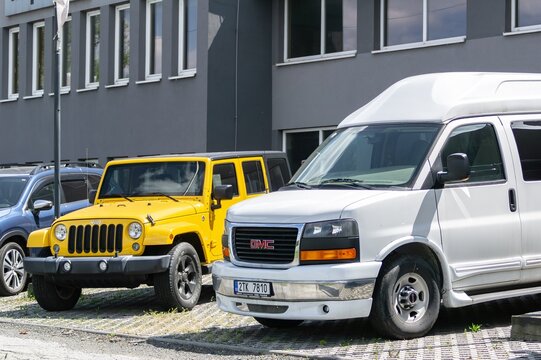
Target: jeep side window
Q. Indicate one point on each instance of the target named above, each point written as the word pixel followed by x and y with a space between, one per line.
pixel 224 174
pixel 75 190
pixel 278 173
pixel 43 193
pixel 253 177
pixel 528 137
pixel 479 142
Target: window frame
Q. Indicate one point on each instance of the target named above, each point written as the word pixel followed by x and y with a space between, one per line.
pixel 424 43
pixel 183 70
pixel 117 79
pixel 35 65
pixel 88 61
pixel 65 89
pixel 520 29
pixel 11 33
pixel 261 176
pixel 148 75
pixel 322 54
pixel 320 131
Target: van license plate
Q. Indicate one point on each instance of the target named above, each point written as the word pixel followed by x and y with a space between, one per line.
pixel 252 288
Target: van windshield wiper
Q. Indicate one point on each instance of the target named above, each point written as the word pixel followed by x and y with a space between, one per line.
pixel 345 182
pixel 299 185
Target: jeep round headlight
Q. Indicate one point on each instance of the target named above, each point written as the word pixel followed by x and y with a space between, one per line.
pixel 135 230
pixel 60 232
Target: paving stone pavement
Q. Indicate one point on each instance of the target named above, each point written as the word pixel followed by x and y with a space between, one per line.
pixel 136 313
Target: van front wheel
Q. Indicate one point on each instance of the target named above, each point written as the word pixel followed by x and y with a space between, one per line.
pixel 406 298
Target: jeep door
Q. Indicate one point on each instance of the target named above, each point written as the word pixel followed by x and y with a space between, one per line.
pixel 480 230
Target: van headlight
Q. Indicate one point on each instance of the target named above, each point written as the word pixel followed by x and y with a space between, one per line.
pixel 331 229
pixel 135 230
pixel 60 232
pixel 335 241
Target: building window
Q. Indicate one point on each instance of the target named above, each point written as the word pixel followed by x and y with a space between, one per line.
pixel 316 28
pixel 421 21
pixel 122 44
pixel 38 58
pixel 153 68
pixel 92 72
pixel 187 35
pixel 13 63
pixel 526 15
pixel 299 144
pixel 65 56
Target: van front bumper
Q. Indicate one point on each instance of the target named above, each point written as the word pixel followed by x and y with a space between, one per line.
pixel 315 292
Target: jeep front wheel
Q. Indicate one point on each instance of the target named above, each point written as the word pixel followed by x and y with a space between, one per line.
pixel 52 297
pixel 180 286
pixel 14 277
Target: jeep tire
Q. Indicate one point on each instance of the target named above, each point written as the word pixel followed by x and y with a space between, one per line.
pixel 14 278
pixel 278 323
pixel 52 297
pixel 406 298
pixel 180 286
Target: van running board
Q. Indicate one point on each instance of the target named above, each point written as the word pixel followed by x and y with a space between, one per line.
pixel 505 294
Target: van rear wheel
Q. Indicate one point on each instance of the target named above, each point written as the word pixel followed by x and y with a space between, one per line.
pixel 406 298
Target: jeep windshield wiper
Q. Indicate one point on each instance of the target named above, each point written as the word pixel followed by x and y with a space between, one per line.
pixel 162 194
pixel 117 195
pixel 299 185
pixel 345 182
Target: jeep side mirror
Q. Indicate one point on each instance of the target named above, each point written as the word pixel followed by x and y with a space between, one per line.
pixel 40 205
pixel 458 169
pixel 221 192
pixel 92 196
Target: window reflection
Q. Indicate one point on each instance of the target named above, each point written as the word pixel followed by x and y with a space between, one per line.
pixel 528 13
pixel 404 22
pixel 190 34
pixel 446 18
pixel 155 50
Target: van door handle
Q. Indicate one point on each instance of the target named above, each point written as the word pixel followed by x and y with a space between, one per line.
pixel 512 200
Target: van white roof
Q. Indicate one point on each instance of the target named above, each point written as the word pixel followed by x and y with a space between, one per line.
pixel 442 97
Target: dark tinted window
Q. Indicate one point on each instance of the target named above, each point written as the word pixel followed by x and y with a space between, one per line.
pixel 479 142
pixel 43 193
pixel 299 146
pixel 304 28
pixel 528 137
pixel 11 189
pixel 224 174
pixel 253 177
pixel 75 190
pixel 93 182
pixel 278 172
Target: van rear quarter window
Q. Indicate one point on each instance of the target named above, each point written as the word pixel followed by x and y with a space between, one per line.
pixel 528 137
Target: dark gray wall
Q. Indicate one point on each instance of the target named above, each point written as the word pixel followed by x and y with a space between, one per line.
pixel 165 117
pixel 249 115
pixel 323 93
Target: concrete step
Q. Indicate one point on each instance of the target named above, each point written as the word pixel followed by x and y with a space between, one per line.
pixel 526 327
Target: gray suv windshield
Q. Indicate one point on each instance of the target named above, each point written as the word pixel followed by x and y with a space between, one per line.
pixel 368 156
pixel 11 188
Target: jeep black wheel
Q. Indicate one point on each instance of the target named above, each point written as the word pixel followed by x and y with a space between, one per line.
pixel 52 297
pixel 180 286
pixel 14 278
pixel 406 298
pixel 278 323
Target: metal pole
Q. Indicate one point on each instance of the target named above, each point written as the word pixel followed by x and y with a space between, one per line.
pixel 56 90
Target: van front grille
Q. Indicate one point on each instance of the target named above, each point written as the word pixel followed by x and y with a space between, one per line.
pixel 274 245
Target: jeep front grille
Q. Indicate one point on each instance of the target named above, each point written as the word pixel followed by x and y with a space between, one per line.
pixel 95 239
pixel 278 244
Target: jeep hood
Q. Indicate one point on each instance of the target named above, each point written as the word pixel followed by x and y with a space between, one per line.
pixel 297 206
pixel 139 209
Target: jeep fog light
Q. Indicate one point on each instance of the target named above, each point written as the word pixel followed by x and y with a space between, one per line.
pixel 103 265
pixel 66 266
pixel 135 246
pixel 60 232
pixel 56 248
pixel 135 230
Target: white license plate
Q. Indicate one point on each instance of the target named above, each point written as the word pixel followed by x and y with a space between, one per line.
pixel 253 288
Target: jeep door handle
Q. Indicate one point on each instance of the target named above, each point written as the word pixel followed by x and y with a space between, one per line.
pixel 512 200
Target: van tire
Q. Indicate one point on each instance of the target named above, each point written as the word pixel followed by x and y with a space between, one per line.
pixel 278 323
pixel 406 298
pixel 180 286
pixel 11 258
pixel 52 297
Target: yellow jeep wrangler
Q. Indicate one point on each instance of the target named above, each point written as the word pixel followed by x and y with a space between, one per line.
pixel 155 220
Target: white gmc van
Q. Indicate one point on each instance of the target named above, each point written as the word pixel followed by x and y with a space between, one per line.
pixel 428 196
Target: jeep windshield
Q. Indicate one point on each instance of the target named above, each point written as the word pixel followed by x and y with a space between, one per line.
pixel 367 157
pixel 11 188
pixel 163 179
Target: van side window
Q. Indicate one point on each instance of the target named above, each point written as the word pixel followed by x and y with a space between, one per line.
pixel 224 174
pixel 528 137
pixel 479 142
pixel 278 173
pixel 253 177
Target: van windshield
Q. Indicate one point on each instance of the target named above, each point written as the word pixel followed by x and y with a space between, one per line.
pixel 368 156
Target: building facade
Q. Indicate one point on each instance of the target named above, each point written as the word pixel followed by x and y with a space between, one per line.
pixel 164 76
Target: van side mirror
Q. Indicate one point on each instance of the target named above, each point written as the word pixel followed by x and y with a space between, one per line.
pixel 40 205
pixel 458 169
pixel 92 196
pixel 221 192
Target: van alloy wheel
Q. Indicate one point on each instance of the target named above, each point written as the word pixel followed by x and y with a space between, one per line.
pixel 14 277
